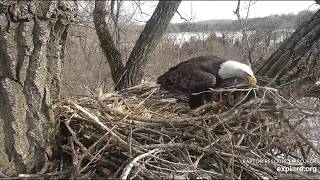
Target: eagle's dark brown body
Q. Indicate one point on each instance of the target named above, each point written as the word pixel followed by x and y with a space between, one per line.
pixel 193 76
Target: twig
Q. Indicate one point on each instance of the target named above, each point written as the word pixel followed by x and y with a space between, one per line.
pixel 303 138
pixel 96 120
pixel 128 168
pixel 226 140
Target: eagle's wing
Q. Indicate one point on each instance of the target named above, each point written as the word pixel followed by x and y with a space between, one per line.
pixel 188 81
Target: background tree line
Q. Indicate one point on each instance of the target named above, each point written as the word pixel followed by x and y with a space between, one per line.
pixel 283 21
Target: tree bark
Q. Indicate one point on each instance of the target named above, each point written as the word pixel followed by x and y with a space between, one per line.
pixel 296 61
pixel 293 48
pixel 131 74
pixel 151 34
pixel 32 36
pixel 107 44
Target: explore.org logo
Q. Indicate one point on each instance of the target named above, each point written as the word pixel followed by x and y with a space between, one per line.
pixel 287 165
pixel 297 169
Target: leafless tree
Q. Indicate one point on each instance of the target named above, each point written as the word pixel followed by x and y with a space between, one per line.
pixel 187 21
pixel 295 64
pixel 130 74
pixel 32 41
pixel 247 45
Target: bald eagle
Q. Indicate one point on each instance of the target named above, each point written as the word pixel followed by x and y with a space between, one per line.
pixel 198 74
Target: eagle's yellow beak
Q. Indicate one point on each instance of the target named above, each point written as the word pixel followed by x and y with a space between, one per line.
pixel 252 80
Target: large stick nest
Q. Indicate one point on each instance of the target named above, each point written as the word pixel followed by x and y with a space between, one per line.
pixel 135 133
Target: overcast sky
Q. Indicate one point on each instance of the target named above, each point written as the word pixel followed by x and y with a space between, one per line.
pixel 205 10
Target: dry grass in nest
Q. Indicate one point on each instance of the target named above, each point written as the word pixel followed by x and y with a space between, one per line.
pixel 135 133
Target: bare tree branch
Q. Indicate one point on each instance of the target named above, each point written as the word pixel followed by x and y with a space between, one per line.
pixel 247 48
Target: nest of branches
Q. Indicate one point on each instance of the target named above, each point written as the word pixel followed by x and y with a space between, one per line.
pixel 135 133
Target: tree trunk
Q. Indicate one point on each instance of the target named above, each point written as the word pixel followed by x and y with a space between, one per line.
pixel 151 34
pixel 296 62
pixel 293 49
pixel 107 44
pixel 32 36
pixel 131 74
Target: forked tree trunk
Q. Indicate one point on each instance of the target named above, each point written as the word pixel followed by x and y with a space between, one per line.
pixel 296 62
pixel 149 37
pixel 32 39
pixel 131 73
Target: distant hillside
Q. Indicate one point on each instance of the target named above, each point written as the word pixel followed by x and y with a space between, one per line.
pixel 200 26
pixel 284 21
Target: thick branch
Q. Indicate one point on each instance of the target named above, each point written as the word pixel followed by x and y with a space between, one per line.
pixel 293 48
pixel 107 43
pixel 147 41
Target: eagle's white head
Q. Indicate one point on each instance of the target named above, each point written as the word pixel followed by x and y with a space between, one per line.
pixel 234 69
